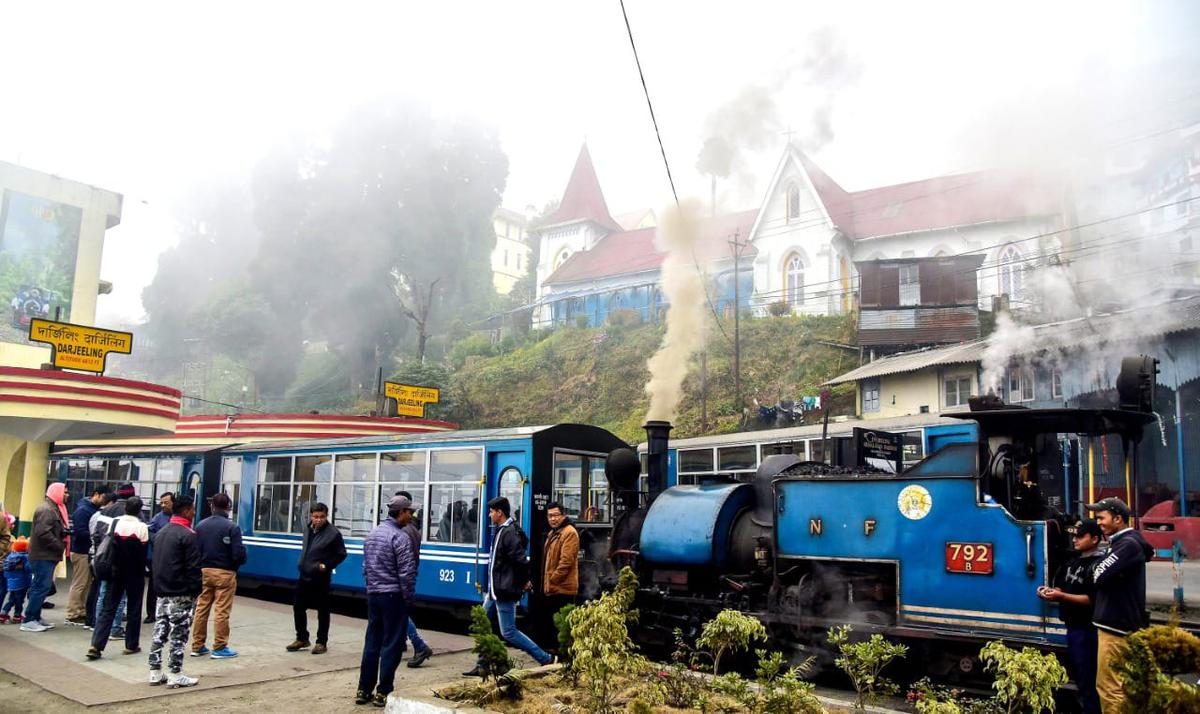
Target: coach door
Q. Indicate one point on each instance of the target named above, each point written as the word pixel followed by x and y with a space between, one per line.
pixel 512 482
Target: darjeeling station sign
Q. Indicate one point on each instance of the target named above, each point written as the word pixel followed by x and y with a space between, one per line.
pixel 79 346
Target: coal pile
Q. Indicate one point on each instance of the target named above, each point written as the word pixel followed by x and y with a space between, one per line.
pixel 816 469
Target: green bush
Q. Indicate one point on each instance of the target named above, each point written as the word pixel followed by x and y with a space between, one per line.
pixel 625 318
pixel 729 631
pixel 1146 664
pixel 602 650
pixel 781 690
pixel 1025 680
pixel 779 308
pixel 581 321
pixel 563 626
pixel 863 663
pixel 490 648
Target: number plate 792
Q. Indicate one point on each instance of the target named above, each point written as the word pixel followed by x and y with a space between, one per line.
pixel 971 558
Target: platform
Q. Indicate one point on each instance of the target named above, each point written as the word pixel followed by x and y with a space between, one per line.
pixel 1160 584
pixel 260 630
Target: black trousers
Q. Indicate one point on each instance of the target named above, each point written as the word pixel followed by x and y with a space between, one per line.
pixel 151 596
pixel 311 594
pixel 93 594
pixel 130 585
pixel 550 605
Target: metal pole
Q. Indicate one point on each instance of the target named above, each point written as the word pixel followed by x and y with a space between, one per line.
pixel 1179 444
pixel 1091 470
pixel 737 337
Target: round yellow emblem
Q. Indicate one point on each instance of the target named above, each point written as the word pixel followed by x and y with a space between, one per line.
pixel 915 502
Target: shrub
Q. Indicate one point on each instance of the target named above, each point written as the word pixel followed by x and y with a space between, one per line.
pixel 1025 680
pixel 781 689
pixel 779 308
pixel 581 321
pixel 491 649
pixel 729 631
pixel 602 650
pixel 563 627
pixel 625 318
pixel 863 663
pixel 1145 665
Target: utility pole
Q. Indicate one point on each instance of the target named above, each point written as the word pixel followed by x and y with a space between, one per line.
pixel 737 248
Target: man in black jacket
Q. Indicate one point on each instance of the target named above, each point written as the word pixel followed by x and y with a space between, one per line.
pixel 1120 595
pixel 177 580
pixel 221 554
pixel 508 579
pixel 81 570
pixel 323 550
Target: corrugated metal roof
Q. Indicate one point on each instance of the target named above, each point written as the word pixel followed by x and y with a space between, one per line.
pixel 1176 315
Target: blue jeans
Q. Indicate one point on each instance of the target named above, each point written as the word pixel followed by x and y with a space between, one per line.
pixel 43 578
pixel 1081 652
pixel 120 614
pixel 16 602
pixel 415 638
pixel 506 613
pixel 387 623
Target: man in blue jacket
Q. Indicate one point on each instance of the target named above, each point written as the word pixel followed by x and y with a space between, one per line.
pixel 1120 579
pixel 81 541
pixel 390 573
pixel 221 554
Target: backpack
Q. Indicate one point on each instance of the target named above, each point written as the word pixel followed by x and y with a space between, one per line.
pixel 104 563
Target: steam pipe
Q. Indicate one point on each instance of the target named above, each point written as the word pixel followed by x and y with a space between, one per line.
pixel 657 436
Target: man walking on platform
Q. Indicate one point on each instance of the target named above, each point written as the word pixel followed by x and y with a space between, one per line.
pixel 128 562
pixel 508 578
pixel 421 650
pixel 323 550
pixel 390 572
pixel 1120 595
pixel 81 541
pixel 162 518
pixel 178 581
pixel 221 554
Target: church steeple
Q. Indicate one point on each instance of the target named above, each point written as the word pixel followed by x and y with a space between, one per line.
pixel 583 199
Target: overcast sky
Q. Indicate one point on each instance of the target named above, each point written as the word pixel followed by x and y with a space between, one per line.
pixel 150 99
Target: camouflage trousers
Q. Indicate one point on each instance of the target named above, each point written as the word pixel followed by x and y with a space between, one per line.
pixel 173 621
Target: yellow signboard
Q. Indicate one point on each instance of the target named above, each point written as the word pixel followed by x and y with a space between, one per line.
pixel 410 399
pixel 79 346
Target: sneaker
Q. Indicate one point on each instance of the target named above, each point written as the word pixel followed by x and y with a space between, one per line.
pixel 76 621
pixel 33 626
pixel 47 625
pixel 157 677
pixel 180 679
pixel 89 627
pixel 93 653
pixel 419 658
pixel 128 651
pixel 117 635
pixel 380 699
pixel 474 672
pixel 299 645
pixel 224 653
pixel 201 652
pixel 17 619
pixel 4 619
pixel 150 620
pixel 320 648
pixel 47 606
pixel 361 697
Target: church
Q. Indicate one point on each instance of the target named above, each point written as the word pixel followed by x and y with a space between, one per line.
pixel 797 251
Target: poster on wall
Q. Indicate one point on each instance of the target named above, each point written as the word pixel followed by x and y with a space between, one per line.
pixel 39 239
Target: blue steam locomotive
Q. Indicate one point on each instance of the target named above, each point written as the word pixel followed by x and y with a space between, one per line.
pixel 945 554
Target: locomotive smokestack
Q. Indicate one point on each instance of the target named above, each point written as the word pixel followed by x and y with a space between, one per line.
pixel 657 435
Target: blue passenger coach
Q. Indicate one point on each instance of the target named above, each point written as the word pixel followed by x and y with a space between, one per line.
pixel 451 476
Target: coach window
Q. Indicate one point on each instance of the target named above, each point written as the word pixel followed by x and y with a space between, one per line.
pixel 597 510
pixel 737 458
pixel 142 476
pixel 168 474
pixel 354 494
pixel 816 450
pixel 914 448
pixel 568 483
pixel 786 447
pixel 512 487
pixel 231 482
pixel 454 508
pixel 274 494
pixel 313 484
pixel 403 471
pixel 95 475
pixel 693 462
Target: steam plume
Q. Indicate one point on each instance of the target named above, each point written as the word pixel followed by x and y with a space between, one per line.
pixel 683 287
pixel 1008 340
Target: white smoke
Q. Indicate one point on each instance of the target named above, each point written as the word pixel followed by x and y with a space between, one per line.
pixel 1009 340
pixel 683 286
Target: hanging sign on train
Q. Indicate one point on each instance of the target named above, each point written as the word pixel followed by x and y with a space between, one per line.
pixel 880 449
pixel 411 399
pixel 79 346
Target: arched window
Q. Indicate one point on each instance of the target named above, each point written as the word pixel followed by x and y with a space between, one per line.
pixel 793 203
pixel 793 281
pixel 1011 277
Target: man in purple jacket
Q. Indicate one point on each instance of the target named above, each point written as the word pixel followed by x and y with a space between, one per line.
pixel 390 572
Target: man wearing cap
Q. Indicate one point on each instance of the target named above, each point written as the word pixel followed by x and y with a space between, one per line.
pixel 390 573
pixel 1074 590
pixel 1120 595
